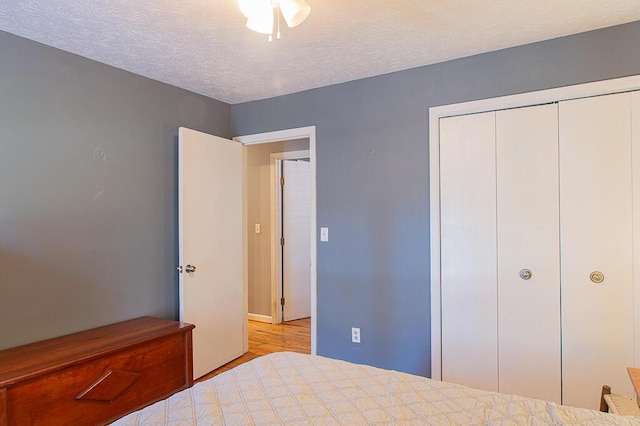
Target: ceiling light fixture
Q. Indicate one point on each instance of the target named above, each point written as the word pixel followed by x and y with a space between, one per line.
pixel 260 14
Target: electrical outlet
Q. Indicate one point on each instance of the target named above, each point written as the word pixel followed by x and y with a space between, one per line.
pixel 257 228
pixel 355 335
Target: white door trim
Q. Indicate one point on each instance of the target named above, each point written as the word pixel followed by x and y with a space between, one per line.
pixel 276 232
pixel 617 85
pixel 277 136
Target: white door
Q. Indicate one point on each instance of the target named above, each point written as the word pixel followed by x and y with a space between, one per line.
pixel 596 234
pixel 296 227
pixel 210 239
pixel 468 247
pixel 528 244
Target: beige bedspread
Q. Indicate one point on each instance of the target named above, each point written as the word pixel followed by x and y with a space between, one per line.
pixel 295 389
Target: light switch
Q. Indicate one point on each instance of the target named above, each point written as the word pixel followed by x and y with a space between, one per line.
pixel 257 228
pixel 324 234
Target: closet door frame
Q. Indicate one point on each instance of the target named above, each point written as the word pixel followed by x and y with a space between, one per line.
pixel 625 84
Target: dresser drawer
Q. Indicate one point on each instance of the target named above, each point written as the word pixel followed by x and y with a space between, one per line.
pixel 102 389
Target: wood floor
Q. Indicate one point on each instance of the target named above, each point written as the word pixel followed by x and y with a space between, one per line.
pixel 292 336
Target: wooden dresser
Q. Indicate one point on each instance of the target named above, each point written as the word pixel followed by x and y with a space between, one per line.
pixel 95 376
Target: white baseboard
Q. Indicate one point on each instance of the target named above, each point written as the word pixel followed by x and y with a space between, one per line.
pixel 258 317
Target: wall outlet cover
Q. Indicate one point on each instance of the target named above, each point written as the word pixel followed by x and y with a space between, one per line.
pixel 355 335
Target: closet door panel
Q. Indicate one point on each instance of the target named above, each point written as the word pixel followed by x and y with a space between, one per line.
pixel 528 240
pixel 596 234
pixel 468 250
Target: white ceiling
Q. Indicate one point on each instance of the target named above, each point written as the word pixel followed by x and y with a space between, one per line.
pixel 203 45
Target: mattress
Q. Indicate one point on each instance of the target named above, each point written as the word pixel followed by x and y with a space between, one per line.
pixel 294 389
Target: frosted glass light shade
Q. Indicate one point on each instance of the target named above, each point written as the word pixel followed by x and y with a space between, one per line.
pixel 259 15
pixel 294 11
pixel 261 23
pixel 250 8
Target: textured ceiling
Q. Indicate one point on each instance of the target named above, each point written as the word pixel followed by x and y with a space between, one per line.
pixel 203 46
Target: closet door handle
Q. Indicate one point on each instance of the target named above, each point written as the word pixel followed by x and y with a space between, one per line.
pixel 189 268
pixel 526 274
pixel 596 277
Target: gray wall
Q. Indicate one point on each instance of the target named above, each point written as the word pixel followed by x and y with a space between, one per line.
pixel 259 211
pixel 373 179
pixel 88 178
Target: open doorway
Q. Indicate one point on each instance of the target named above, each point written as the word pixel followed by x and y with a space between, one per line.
pixel 263 279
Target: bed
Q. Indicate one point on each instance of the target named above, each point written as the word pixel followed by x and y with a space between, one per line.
pixel 297 389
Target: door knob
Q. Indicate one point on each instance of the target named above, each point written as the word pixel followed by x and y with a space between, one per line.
pixel 189 268
pixel 596 277
pixel 525 274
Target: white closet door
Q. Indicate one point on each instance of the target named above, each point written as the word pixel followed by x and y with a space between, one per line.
pixel 468 247
pixel 528 240
pixel 596 235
